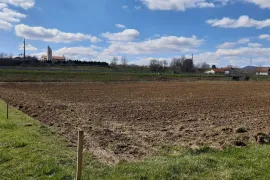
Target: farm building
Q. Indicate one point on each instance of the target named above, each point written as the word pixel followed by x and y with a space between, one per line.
pixel 222 70
pixel 50 57
pixel 209 72
pixel 262 71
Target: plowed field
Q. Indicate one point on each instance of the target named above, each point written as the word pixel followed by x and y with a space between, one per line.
pixel 132 121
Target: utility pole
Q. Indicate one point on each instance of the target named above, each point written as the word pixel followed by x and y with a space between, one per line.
pixel 24 49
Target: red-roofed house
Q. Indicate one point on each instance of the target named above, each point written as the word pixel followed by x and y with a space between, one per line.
pixel 262 71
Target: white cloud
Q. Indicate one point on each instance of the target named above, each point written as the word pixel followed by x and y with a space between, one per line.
pixel 260 3
pixel 244 51
pixel 137 7
pixel 3 5
pixel 243 41
pixel 182 5
pixel 26 4
pixel 239 56
pixel 28 47
pixel 126 35
pixel 11 16
pixel 120 26
pixel 242 22
pixel 4 25
pixel 254 45
pixel 96 47
pixel 125 7
pixel 168 44
pixel 77 52
pixel 51 35
pixel 227 45
pixel 179 5
pixel 265 37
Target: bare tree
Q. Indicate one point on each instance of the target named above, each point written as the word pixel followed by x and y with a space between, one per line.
pixel 182 65
pixel 114 62
pixel 203 65
pixel 124 61
pixel 10 56
pixel 177 64
pixel 156 66
pixel 165 63
pixel 3 55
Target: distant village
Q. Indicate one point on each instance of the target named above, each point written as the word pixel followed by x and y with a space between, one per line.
pixel 252 70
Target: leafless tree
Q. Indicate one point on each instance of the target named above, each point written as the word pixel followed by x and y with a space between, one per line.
pixel 124 61
pixel 156 66
pixel 203 65
pixel 114 62
pixel 182 65
pixel 10 56
pixel 3 55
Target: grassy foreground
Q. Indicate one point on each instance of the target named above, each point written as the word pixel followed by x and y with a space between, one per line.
pixel 28 150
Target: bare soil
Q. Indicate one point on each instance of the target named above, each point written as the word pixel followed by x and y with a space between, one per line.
pixel 135 120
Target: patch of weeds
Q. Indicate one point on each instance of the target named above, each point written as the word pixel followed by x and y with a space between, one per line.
pixel 143 178
pixel 242 130
pixel 3 159
pixel 51 172
pixel 211 163
pixel 16 144
pixel 67 178
pixel 7 125
pixel 43 130
pixel 173 174
pixel 241 141
pixel 201 150
pixel 67 162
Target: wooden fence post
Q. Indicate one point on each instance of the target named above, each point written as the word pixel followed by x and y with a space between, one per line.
pixel 7 110
pixel 79 155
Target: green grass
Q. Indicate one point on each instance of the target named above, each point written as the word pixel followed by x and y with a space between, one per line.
pixel 36 152
pixel 94 76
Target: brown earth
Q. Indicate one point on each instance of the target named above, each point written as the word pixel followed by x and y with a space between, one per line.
pixel 132 121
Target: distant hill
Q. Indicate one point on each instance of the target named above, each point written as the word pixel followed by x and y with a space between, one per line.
pixel 249 68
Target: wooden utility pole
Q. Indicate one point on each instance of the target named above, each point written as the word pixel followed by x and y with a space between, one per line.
pixel 24 49
pixel 7 110
pixel 79 155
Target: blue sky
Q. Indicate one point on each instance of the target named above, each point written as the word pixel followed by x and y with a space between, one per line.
pixel 221 32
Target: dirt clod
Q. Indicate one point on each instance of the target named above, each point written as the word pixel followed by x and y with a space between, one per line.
pixel 262 138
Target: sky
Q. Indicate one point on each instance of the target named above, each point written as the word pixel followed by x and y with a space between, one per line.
pixel 220 32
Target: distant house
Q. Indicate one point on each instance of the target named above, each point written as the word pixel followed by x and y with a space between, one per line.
pixel 209 72
pixel 262 71
pixel 222 70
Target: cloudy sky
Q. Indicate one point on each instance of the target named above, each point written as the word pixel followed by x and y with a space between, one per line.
pixel 221 32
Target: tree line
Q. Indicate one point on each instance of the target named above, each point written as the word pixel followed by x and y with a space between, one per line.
pixel 9 60
pixel 177 66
